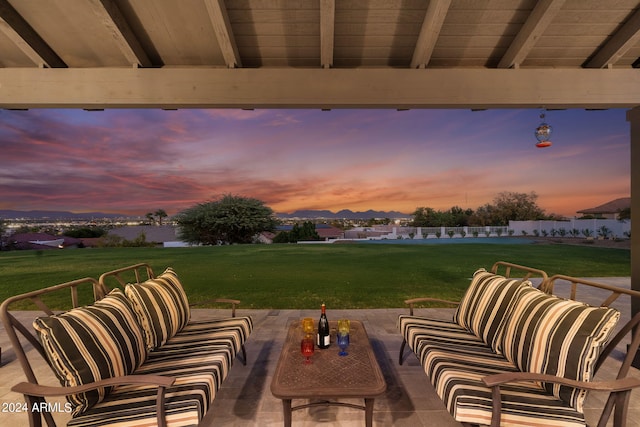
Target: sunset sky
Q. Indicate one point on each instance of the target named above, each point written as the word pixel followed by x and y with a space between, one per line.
pixel 137 161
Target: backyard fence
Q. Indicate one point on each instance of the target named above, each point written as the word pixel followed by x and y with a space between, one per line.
pixel 596 228
pixel 578 228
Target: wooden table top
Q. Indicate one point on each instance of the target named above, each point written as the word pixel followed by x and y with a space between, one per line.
pixel 329 376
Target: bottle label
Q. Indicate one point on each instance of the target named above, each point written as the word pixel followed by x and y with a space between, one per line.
pixel 322 341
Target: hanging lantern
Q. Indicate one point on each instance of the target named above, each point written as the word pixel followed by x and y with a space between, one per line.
pixel 543 133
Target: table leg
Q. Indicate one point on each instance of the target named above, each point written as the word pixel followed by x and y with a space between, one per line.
pixel 286 409
pixel 368 412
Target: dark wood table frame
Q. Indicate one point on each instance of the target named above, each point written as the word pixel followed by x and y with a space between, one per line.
pixel 329 376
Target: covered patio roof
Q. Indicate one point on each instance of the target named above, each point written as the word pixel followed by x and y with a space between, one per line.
pixel 319 54
pixel 476 54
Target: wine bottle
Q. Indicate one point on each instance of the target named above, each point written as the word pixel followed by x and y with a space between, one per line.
pixel 322 339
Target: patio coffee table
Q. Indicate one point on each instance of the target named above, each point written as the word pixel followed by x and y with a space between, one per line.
pixel 329 376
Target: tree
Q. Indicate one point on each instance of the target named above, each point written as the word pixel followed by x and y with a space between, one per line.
pixel 230 219
pixel 425 217
pixel 509 206
pixel 305 232
pixel 156 217
pixel 517 207
pixel 150 218
pixel 160 213
pixel 429 217
pixel 458 217
pixel 85 232
pixel 483 216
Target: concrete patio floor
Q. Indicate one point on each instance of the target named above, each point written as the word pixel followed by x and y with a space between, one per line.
pixel 245 398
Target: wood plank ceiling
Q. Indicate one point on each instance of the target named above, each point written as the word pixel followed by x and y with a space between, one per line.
pixel 297 37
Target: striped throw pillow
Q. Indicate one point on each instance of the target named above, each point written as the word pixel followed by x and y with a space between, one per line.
pixel 162 307
pixel 486 304
pixel 551 335
pixel 91 343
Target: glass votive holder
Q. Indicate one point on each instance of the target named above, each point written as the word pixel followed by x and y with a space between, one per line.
pixel 344 326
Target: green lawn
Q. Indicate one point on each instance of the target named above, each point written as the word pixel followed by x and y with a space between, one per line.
pixel 303 276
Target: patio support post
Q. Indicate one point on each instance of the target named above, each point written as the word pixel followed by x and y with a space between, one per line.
pixel 633 117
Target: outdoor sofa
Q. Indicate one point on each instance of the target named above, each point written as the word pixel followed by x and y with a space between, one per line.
pixel 132 356
pixel 516 355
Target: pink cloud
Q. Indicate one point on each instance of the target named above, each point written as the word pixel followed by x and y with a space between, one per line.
pixel 136 161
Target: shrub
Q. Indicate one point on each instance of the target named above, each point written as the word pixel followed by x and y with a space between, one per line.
pixel 231 219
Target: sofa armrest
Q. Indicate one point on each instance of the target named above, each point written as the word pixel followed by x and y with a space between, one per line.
pixel 35 392
pixel 623 384
pixel 234 303
pixel 619 389
pixel 411 302
pixel 38 390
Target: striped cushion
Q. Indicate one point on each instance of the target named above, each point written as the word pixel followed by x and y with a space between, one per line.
pixel 199 357
pixel 136 408
pixel 198 374
pixel 232 332
pixel 417 329
pixel 92 343
pixel 486 304
pixel 455 362
pixel 550 335
pixel 456 373
pixel 162 307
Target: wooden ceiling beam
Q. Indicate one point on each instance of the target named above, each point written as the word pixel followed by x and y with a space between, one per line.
pixel 203 87
pixel 429 32
pixel 327 29
pixel 535 25
pixel 619 43
pixel 222 28
pixel 114 21
pixel 26 39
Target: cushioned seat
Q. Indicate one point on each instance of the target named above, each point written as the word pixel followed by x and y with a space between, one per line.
pixel 185 404
pixel 232 331
pixel 416 329
pixel 199 357
pixel 504 326
pixel 456 371
pixel 145 330
pixel 455 362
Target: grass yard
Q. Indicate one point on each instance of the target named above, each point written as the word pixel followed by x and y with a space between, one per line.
pixel 303 276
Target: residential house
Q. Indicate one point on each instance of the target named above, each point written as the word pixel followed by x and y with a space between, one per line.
pixel 329 232
pixel 610 210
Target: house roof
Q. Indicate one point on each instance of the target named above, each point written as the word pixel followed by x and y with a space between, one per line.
pixel 28 237
pixel 42 240
pixel 319 54
pixel 326 231
pixel 613 206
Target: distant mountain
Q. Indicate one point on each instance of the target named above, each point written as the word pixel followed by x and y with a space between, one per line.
pixel 343 214
pixel 56 215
